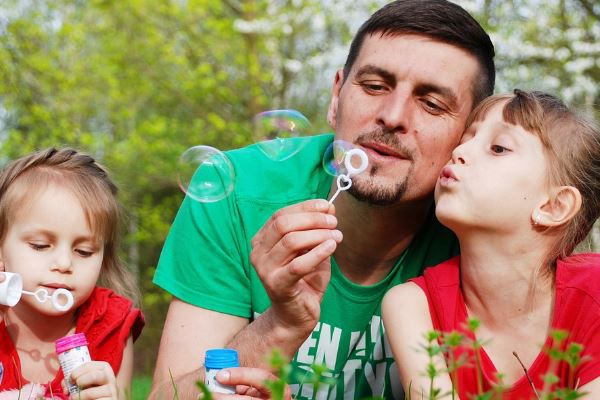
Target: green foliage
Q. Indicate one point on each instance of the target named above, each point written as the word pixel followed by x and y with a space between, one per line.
pixel 140 387
pixel 438 343
pixel 137 82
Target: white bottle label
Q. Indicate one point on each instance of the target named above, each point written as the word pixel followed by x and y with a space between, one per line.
pixel 71 359
pixel 213 385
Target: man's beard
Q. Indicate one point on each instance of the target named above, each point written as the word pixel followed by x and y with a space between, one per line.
pixel 366 188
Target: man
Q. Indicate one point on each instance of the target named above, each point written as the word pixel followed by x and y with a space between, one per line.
pixel 267 268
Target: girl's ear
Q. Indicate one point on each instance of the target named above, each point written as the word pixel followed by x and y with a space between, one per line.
pixel 562 205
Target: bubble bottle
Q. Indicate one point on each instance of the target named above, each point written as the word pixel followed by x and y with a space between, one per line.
pixel 11 289
pixel 216 360
pixel 72 351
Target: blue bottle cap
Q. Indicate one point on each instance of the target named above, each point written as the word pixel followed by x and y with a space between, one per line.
pixel 221 358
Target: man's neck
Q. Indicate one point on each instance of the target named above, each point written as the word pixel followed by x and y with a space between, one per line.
pixel 375 236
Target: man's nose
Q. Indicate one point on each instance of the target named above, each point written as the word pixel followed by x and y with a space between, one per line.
pixel 396 112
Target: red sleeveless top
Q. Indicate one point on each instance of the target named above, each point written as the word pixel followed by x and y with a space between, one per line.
pixel 576 309
pixel 107 320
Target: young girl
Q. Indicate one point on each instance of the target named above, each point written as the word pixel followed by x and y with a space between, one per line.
pixel 520 192
pixel 59 229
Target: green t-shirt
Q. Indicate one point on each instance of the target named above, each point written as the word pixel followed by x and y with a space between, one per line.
pixel 205 262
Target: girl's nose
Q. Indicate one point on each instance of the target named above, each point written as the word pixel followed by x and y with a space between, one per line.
pixel 63 262
pixel 459 154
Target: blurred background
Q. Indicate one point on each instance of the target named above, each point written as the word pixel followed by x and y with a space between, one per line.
pixel 137 82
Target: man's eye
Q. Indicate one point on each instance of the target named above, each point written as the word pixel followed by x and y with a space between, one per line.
pixel 432 107
pixel 373 88
pixel 38 246
pixel 499 149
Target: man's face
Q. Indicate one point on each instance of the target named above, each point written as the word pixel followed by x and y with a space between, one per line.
pixel 405 102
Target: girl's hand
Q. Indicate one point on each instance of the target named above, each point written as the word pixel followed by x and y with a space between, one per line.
pixel 96 380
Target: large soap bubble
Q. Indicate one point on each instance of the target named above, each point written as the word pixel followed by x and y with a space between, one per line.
pixel 205 174
pixel 274 132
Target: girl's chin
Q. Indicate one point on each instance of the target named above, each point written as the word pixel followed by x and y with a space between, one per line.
pixel 449 219
pixel 42 309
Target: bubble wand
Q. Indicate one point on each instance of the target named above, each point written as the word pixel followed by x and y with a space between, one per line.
pixel 344 182
pixel 11 291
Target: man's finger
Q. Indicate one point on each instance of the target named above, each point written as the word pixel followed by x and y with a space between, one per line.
pixel 287 277
pixel 250 377
pixel 311 214
pixel 294 244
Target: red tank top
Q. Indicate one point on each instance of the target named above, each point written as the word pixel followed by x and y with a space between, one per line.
pixel 107 320
pixel 576 309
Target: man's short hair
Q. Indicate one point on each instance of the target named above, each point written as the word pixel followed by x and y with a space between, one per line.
pixel 440 20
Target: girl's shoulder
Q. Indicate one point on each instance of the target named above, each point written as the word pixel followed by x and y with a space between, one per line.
pixel 579 270
pixel 578 277
pixel 445 274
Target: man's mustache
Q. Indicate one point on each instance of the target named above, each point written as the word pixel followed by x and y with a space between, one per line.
pixel 387 138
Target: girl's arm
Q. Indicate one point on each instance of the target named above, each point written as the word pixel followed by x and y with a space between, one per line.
pixel 126 371
pixel 407 320
pixel 97 380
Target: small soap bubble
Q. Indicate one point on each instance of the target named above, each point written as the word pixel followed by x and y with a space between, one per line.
pixel 334 157
pixel 274 132
pixel 205 174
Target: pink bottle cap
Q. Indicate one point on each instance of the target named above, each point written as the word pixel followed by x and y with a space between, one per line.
pixel 70 342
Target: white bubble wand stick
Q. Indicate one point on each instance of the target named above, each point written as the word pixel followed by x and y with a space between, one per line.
pixel 344 182
pixel 42 296
pixel 11 291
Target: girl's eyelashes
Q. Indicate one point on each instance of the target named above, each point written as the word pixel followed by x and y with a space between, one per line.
pixel 498 149
pixel 84 253
pixel 44 246
pixel 38 246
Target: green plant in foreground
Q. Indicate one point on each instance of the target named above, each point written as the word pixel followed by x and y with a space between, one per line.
pixel 446 344
pixel 283 372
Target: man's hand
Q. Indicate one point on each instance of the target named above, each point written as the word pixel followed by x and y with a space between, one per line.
pixel 96 380
pixel 250 383
pixel 291 256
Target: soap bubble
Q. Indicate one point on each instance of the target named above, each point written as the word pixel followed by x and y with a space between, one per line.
pixel 205 174
pixel 334 159
pixel 275 130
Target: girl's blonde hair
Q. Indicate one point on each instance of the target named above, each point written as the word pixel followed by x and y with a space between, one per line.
pixel 572 145
pixel 23 178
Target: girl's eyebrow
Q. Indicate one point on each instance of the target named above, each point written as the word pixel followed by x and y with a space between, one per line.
pixel 38 231
pixel 509 129
pixel 51 235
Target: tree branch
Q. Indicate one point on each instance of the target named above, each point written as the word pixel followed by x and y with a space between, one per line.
pixel 589 7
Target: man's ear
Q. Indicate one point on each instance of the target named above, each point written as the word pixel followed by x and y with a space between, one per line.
pixel 562 205
pixel 335 95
